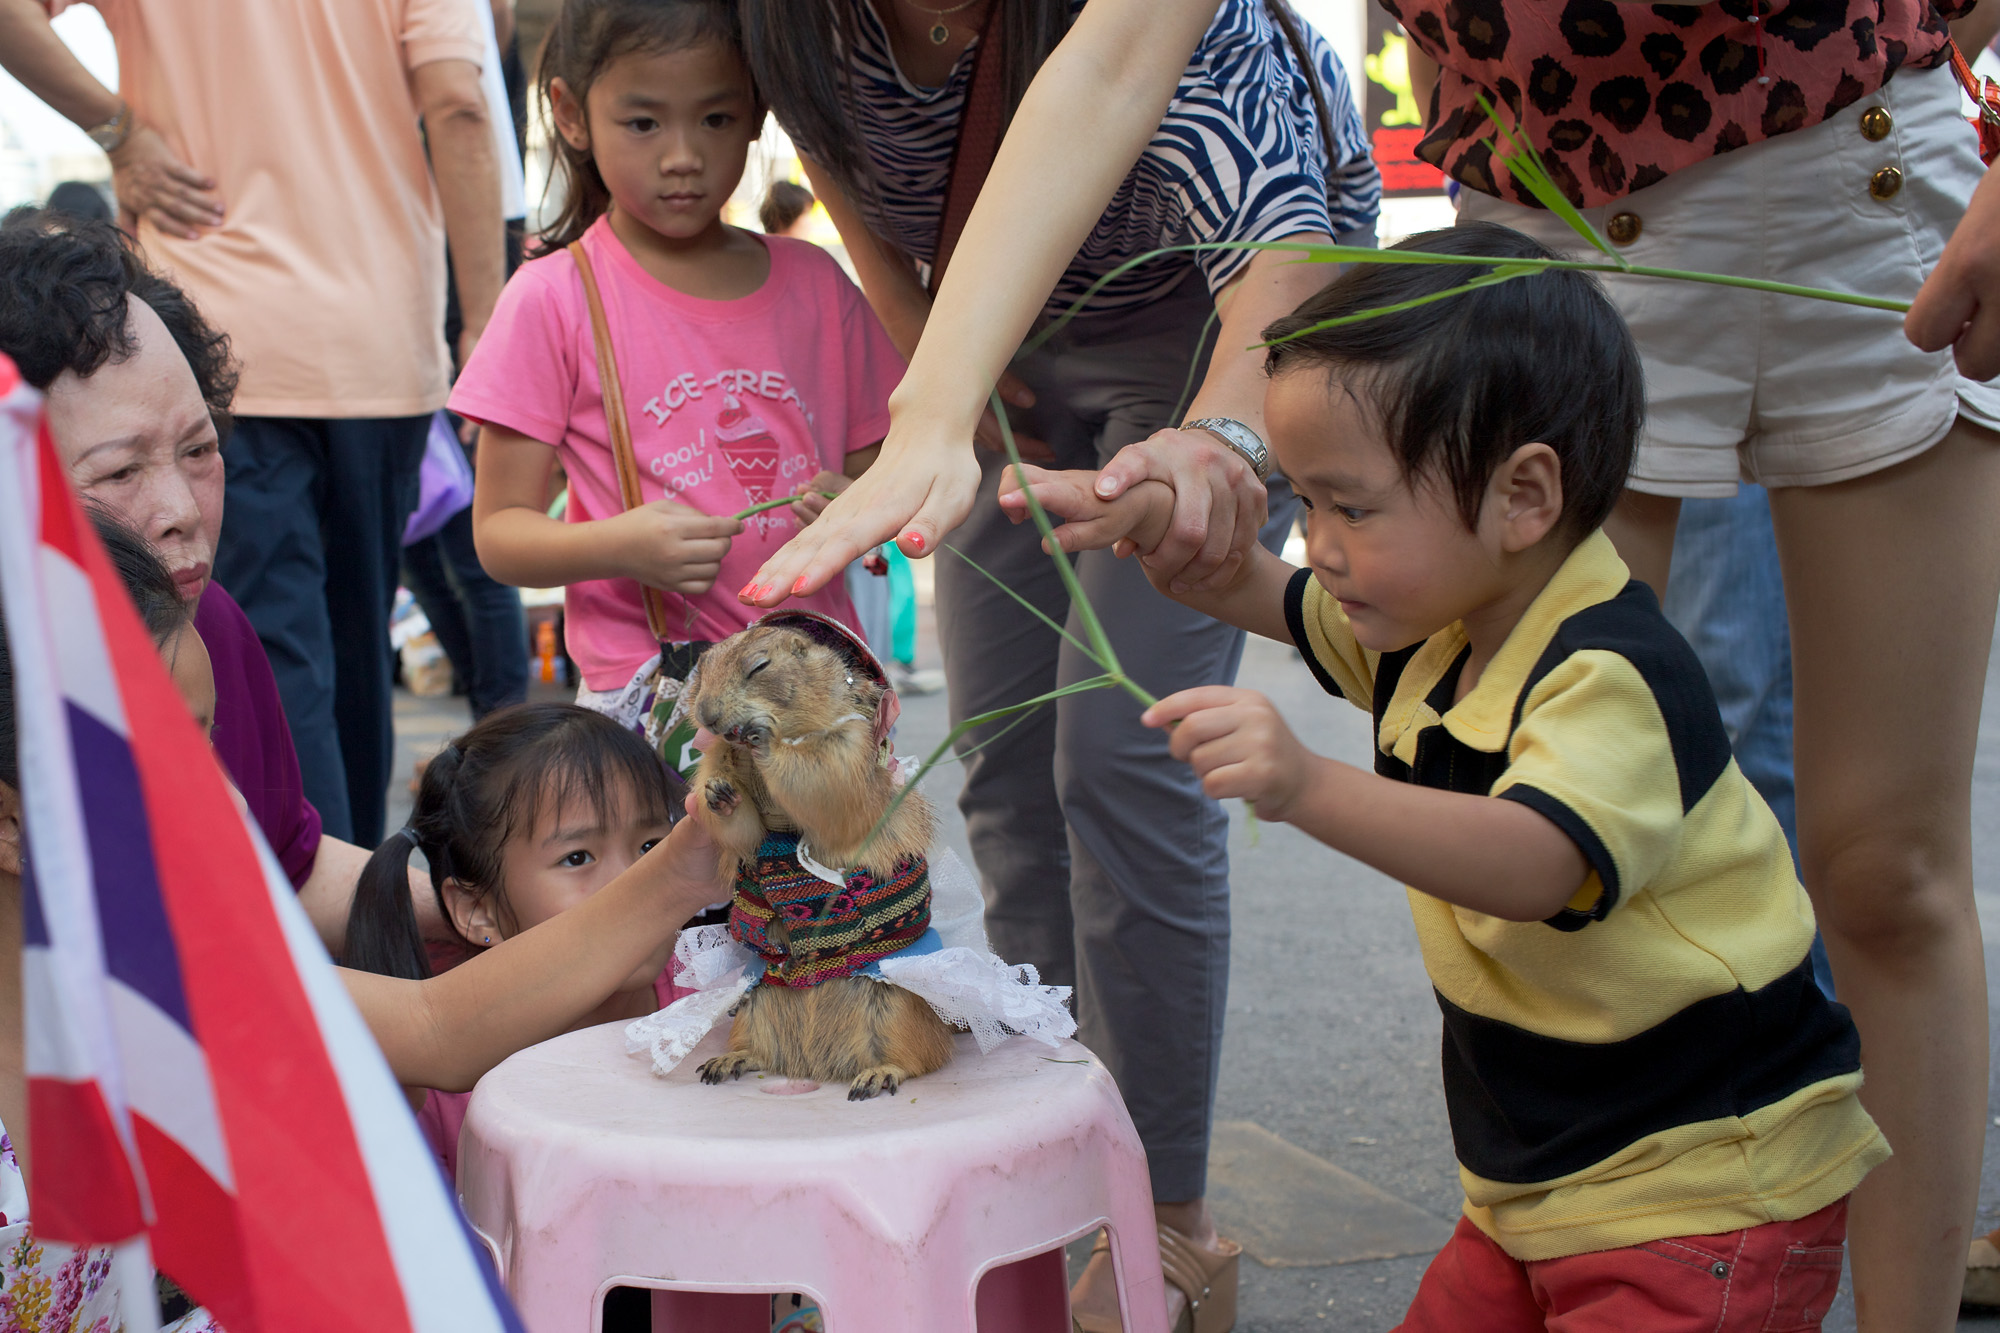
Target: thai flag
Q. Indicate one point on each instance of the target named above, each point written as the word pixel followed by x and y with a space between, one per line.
pixel 197 1075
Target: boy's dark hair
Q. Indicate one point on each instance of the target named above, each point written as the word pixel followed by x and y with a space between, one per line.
pixel 147 580
pixel 1459 384
pixel 784 203
pixel 489 785
pixel 64 283
pixel 588 35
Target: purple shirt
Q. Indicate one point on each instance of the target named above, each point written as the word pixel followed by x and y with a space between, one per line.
pixel 252 738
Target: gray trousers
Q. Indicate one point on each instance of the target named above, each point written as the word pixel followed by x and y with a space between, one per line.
pixel 1101 861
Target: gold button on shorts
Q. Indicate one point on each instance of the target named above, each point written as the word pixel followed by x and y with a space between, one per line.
pixel 1876 124
pixel 1623 228
pixel 1885 183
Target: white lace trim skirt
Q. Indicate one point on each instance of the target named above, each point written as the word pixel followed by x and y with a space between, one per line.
pixel 949 966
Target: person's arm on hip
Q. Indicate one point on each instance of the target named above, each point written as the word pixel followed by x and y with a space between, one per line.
pixel 459 127
pixel 150 180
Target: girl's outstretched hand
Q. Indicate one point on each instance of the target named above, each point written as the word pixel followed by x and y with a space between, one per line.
pixel 1238 746
pixel 690 865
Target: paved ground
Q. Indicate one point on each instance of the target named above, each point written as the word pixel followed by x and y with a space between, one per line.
pixel 1345 1065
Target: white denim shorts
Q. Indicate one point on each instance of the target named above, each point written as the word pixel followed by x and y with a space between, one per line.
pixel 1784 390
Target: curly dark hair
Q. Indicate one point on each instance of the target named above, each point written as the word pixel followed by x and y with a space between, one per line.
pixel 63 287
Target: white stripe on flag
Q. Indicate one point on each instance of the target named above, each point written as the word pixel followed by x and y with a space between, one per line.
pixel 83 662
pixel 445 1290
pixel 167 1078
pixel 69 1030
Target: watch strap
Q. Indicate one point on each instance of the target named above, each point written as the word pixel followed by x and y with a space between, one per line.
pixel 1239 437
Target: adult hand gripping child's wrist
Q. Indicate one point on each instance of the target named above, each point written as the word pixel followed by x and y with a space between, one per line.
pixel 1219 505
pixel 921 487
pixel 1137 521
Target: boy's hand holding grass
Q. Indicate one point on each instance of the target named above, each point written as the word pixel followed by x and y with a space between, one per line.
pixel 1238 746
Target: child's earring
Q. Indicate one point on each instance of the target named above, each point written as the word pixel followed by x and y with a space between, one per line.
pixel 486 939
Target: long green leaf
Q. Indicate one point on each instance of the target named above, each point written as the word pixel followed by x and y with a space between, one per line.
pixel 1526 164
pixel 778 503
pixel 1502 274
pixel 1031 608
pixel 994 715
pixel 1105 654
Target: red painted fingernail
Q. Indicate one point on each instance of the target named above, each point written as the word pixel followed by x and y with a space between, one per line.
pixel 915 540
pixel 747 591
pixel 799 588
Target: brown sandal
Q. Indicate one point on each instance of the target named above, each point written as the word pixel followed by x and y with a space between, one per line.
pixel 1207 1280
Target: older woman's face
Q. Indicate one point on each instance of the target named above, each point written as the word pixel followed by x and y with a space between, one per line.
pixel 136 437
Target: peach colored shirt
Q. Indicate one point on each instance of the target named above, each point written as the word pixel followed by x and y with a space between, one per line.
pixel 328 271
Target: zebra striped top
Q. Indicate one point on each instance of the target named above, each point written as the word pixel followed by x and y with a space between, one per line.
pixel 1237 158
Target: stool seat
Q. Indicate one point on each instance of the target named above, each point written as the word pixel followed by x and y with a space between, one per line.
pixel 584 1171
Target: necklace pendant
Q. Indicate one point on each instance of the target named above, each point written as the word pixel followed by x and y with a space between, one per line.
pixel 940 34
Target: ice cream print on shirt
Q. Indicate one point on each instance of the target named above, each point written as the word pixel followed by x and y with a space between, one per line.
pixel 731 414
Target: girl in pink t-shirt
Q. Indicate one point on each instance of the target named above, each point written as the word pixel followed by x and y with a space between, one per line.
pixel 751 367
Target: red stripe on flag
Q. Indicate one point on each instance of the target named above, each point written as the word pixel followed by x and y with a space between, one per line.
pixel 73 1135
pixel 312 1244
pixel 196 1228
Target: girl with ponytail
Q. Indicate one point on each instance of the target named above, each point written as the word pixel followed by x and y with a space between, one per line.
pixel 543 815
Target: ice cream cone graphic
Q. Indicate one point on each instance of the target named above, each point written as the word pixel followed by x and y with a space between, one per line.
pixel 746 441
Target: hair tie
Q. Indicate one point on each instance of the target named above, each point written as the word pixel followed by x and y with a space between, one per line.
pixel 409 831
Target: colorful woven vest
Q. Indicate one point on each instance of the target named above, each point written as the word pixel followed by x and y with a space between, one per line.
pixel 834 930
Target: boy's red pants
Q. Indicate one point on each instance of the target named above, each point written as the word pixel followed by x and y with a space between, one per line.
pixel 1775 1278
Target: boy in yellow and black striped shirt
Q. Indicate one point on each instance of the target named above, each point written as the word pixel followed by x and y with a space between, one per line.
pixel 1653 1105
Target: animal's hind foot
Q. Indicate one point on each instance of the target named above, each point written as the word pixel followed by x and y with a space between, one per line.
pixel 724 1067
pixel 873 1082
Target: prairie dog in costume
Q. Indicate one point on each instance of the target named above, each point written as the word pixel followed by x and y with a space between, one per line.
pixel 792 787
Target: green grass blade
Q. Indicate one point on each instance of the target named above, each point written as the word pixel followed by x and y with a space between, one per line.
pixel 1187 388
pixel 1031 608
pixel 1105 655
pixel 1525 162
pixel 778 503
pixel 1504 273
pixel 936 756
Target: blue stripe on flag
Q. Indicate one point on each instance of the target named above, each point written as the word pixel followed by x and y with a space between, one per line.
pixel 138 942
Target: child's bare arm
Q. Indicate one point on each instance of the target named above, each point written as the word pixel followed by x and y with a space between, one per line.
pixel 1253 596
pixel 447 1031
pixel 1480 852
pixel 662 544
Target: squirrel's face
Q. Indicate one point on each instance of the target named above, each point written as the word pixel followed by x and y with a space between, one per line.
pixel 773 682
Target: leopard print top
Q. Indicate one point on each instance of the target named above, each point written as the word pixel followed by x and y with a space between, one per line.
pixel 1617 96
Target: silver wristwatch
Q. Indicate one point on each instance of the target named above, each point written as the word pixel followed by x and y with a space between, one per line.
pixel 1238 437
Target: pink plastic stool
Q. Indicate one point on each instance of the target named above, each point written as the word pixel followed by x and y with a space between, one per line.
pixel 941 1209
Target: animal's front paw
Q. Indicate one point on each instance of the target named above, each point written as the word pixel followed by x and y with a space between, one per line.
pixel 873 1082
pixel 722 797
pixel 724 1067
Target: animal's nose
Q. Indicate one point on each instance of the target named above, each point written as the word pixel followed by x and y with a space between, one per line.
pixel 711 717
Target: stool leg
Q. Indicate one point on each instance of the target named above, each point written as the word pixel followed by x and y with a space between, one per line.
pixel 1027 1296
